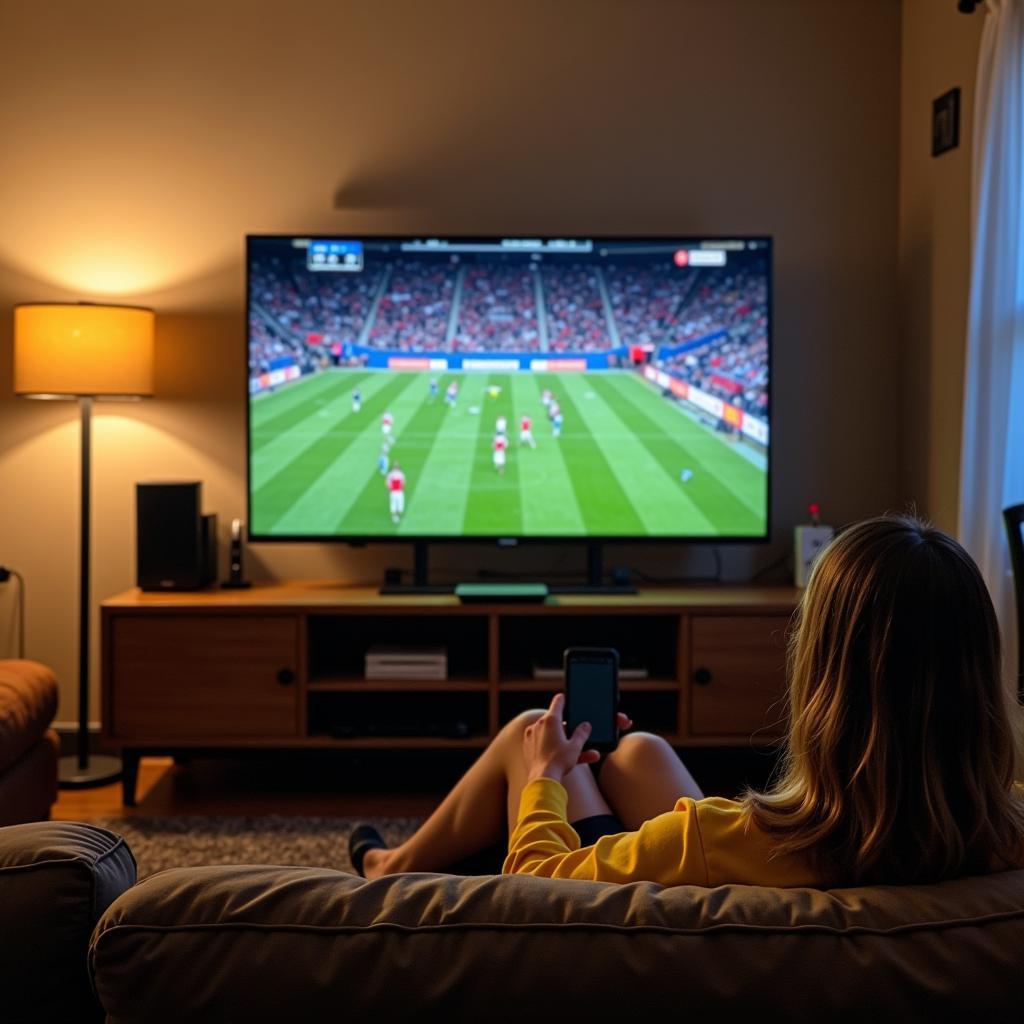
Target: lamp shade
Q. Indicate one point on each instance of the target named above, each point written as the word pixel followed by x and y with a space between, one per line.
pixel 64 350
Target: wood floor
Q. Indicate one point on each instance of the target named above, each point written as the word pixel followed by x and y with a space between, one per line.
pixel 390 784
pixel 105 801
pixel 241 787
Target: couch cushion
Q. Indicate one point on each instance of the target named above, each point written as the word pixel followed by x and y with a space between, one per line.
pixel 262 943
pixel 56 879
pixel 28 702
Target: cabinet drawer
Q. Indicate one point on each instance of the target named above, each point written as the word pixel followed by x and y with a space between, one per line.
pixel 737 675
pixel 203 677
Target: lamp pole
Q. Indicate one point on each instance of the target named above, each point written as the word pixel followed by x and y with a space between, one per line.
pixel 81 770
pixel 85 407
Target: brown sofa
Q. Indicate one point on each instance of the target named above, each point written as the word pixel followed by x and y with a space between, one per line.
pixel 29 748
pixel 56 879
pixel 247 943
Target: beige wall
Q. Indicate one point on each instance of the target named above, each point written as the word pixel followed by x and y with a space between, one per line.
pixel 939 52
pixel 142 141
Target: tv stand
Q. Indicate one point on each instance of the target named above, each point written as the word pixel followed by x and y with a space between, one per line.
pixel 419 583
pixel 282 666
pixel 595 577
pixel 595 583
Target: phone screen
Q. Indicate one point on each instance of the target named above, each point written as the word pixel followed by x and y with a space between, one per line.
pixel 591 685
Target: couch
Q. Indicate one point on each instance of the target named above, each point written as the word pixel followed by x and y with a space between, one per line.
pixel 259 943
pixel 29 748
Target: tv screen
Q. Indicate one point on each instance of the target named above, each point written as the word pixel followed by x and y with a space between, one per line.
pixel 441 388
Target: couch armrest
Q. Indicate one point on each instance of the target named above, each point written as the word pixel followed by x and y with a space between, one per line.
pixel 28 788
pixel 28 702
pixel 56 879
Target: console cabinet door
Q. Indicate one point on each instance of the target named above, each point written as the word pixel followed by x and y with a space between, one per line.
pixel 195 677
pixel 737 675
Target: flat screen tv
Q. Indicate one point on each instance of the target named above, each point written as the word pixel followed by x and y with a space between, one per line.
pixel 508 388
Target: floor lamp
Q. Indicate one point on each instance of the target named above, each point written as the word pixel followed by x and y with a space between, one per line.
pixel 83 351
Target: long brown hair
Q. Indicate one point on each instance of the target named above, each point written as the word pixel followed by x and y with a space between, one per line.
pixel 901 748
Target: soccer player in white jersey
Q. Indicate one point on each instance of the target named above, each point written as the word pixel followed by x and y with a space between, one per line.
pixel 545 398
pixel 451 393
pixel 396 492
pixel 526 432
pixel 498 446
pixel 501 425
pixel 357 400
pixel 386 423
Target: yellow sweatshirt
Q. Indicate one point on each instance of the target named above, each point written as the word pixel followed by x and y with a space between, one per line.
pixel 701 842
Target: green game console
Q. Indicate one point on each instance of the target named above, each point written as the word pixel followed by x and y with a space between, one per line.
pixel 501 593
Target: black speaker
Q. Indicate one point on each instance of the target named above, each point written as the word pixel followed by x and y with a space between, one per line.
pixel 176 545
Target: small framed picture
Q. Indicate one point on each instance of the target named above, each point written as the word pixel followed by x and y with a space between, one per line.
pixel 946 122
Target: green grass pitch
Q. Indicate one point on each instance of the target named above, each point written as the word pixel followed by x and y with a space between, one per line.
pixel 615 471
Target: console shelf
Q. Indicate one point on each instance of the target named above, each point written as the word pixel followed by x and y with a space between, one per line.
pixel 281 665
pixel 396 685
pixel 550 685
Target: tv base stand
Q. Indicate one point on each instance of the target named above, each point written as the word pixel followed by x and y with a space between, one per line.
pixel 595 577
pixel 594 585
pixel 394 587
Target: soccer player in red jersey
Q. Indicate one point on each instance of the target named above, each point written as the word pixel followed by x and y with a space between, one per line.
pixel 396 492
pixel 498 445
pixel 526 432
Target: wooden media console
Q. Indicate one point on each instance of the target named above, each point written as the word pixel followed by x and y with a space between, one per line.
pixel 282 666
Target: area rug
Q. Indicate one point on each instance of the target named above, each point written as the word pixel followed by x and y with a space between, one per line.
pixel 185 841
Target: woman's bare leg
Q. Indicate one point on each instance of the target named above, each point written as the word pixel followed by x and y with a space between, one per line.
pixel 643 778
pixel 474 815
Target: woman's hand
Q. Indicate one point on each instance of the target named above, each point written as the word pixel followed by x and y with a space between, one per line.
pixel 548 753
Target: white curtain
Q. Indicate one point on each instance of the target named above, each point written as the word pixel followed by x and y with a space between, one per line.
pixel 992 456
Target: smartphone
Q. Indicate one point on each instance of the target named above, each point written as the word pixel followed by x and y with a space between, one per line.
pixel 592 694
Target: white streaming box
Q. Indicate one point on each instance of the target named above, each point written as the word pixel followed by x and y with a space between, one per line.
pixel 808 543
pixel 407 663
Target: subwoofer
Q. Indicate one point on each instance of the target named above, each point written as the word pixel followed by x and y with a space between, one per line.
pixel 176 545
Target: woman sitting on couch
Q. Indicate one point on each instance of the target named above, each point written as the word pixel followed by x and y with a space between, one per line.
pixel 900 761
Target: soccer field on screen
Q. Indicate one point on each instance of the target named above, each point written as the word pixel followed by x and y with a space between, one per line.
pixel 628 462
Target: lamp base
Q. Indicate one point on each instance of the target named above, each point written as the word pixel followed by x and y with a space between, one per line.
pixel 99 770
